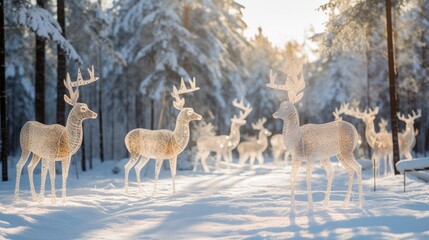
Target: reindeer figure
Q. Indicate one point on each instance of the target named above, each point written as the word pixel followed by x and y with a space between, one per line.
pixel 54 142
pixel 278 148
pixel 224 144
pixel 145 144
pixel 380 142
pixel 254 149
pixel 312 142
pixel 408 138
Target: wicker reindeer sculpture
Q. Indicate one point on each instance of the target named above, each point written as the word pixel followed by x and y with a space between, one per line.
pixel 380 142
pixel 253 149
pixel 312 142
pixel 278 149
pixel 224 144
pixel 407 139
pixel 54 142
pixel 144 144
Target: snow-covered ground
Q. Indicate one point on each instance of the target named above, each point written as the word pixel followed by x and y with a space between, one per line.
pixel 239 204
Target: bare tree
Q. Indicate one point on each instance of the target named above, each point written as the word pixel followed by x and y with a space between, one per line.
pixel 392 85
pixel 3 99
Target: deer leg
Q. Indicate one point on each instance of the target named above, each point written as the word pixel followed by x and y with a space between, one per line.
pixel 51 166
pixel 252 160
pixel 43 181
pixel 358 169
pixel 197 158
pixel 260 159
pixel 65 165
pixel 218 157
pixel 308 178
pixel 241 158
pixel 330 174
pixel 143 161
pixel 276 156
pixel 24 156
pixel 157 170
pixel 173 163
pixel 408 155
pixel 347 162
pixel 34 161
pixel 295 168
pixel 133 159
pixel 229 161
pixel 204 156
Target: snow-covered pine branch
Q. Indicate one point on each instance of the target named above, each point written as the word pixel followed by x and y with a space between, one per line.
pixel 44 25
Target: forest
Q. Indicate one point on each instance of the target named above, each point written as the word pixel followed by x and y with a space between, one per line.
pixel 141 49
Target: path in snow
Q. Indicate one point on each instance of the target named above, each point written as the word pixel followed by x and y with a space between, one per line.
pixel 229 205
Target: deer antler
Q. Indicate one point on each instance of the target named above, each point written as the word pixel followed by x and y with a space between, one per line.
pixel 74 95
pixel 344 109
pixel 260 124
pixel 180 102
pixel 294 83
pixel 246 109
pixel 412 117
pixel 355 112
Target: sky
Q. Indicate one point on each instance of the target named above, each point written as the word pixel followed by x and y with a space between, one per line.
pixel 283 20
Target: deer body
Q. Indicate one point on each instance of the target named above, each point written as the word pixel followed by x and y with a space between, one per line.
pixel 254 149
pixel 144 144
pixel 407 139
pixel 55 142
pixel 278 148
pixel 312 142
pixel 224 144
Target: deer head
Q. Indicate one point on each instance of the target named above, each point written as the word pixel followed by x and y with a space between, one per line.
pixel 241 120
pixel 80 110
pixel 294 85
pixel 259 125
pixel 187 114
pixel 410 119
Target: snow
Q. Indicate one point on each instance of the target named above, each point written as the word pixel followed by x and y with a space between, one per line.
pixel 417 163
pixel 238 204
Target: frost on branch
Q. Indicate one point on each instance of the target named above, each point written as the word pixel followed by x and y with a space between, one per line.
pixel 44 25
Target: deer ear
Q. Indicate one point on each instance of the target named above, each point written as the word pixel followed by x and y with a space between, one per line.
pixel 298 97
pixel 68 100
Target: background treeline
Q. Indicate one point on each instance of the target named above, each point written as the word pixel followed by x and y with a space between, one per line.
pixel 140 49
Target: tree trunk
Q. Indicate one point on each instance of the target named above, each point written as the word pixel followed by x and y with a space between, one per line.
pixel 392 85
pixel 61 66
pixel 3 99
pixel 100 105
pixel 40 75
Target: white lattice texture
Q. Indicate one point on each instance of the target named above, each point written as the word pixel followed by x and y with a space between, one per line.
pixel 312 142
pixel 251 150
pixel 224 144
pixel 51 143
pixel 145 144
